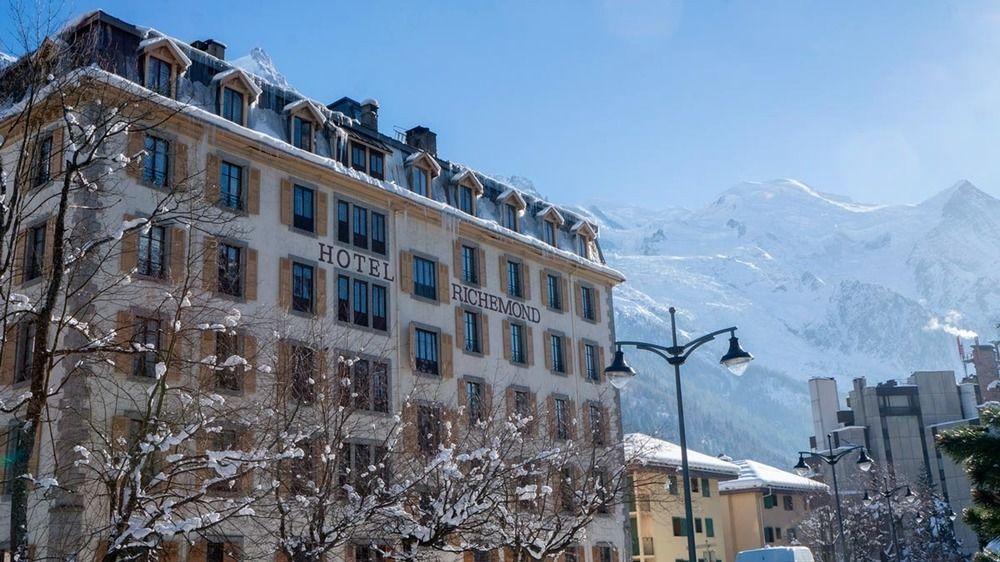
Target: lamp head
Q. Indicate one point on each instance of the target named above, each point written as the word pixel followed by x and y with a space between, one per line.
pixel 864 461
pixel 619 372
pixel 736 359
pixel 867 499
pixel 801 468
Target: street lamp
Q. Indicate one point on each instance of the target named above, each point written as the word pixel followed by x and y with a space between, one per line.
pixel 619 373
pixel 864 463
pixel 887 494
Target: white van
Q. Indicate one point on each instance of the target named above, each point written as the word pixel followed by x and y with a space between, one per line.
pixel 776 554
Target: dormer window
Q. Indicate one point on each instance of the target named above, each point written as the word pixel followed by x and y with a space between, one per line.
pixel 305 117
pixel 159 74
pixel 232 105
pixel 512 205
pixel 468 190
pixel 549 233
pixel 423 168
pixel 586 233
pixel 162 61
pixel 583 246
pixel 510 217
pixel 552 219
pixel 237 92
pixel 302 134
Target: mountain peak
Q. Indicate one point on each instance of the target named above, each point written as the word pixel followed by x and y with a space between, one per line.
pixel 962 193
pixel 788 189
pixel 260 64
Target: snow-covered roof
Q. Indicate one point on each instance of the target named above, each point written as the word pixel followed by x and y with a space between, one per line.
pixel 468 176
pixel 426 159
pixel 657 452
pixel 585 228
pixel 243 76
pixel 153 42
pixel 310 105
pixel 510 192
pixel 755 475
pixel 550 211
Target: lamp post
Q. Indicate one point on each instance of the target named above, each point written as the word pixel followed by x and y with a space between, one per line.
pixel 832 458
pixel 887 494
pixel 619 373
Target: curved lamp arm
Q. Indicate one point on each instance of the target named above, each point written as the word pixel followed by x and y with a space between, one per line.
pixel 680 353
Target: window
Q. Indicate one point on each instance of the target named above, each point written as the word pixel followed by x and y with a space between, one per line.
pixel 429 428
pixel 302 134
pixel 470 265
pixel 770 501
pixel 378 233
pixel 604 553
pixel 471 326
pixel 360 227
pixel 570 554
pixel 34 252
pixel 562 418
pixel 215 552
pixel 517 351
pixel 302 369
pixel 768 535
pixel 231 186
pixel 343 298
pixel 360 302
pixel 466 199
pixel 359 158
pixel 566 492
pixel 424 278
pixel 596 416
pixel 788 503
pixel 229 378
pixel 709 527
pixel 556 349
pixel 376 163
pixel 17 451
pixel 427 351
pixel 697 525
pixel 146 339
pixel 552 288
pixel 156 161
pixel 302 471
pixel 590 362
pixel 587 303
pixel 302 287
pixel 158 73
pixel 24 352
pixel 380 387
pixel 304 208
pixel 481 556
pixel 43 162
pixel 510 213
pixel 680 527
pixel 380 318
pixel 694 485
pixel 672 484
pixel 369 385
pixel 777 533
pixel 514 279
pixel 583 246
pixel 647 546
pixel 475 405
pixel 232 105
pixel 230 270
pixel 344 222
pixel 152 257
pixel 365 553
pixel 421 181
pixel 549 233
pixel 706 488
pixel 522 403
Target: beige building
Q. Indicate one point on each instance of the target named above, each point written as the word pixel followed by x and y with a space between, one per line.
pixel 766 505
pixel 457 287
pixel 658 525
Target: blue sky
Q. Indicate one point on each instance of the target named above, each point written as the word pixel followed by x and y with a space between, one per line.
pixel 655 103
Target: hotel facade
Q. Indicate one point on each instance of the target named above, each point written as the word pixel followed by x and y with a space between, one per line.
pixel 447 284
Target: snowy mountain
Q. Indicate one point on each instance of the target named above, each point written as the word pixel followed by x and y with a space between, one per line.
pixel 259 63
pixel 6 59
pixel 819 286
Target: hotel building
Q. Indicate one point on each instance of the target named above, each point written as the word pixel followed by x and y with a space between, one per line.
pixel 452 285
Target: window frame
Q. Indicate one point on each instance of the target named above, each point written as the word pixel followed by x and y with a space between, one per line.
pixel 466 199
pixel 158 64
pixel 303 131
pixel 415 174
pixel 557 353
pixel 144 253
pixel 472 325
pixel 151 174
pixel 588 303
pixel 42 170
pixel 143 361
pixel 303 267
pixel 515 278
pixel 470 256
pixel 425 269
pixel 427 340
pixel 34 252
pixel 224 264
pixel 299 221
pixel 226 179
pixel 518 344
pixel 229 95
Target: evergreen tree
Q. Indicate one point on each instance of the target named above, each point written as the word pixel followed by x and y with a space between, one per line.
pixel 978 448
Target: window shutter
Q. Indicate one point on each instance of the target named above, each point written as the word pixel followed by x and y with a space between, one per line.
pixel 286 201
pixel 456 262
pixel 177 258
pixel 526 280
pixel 50 239
pixel 213 178
pixel 123 335
pixel 605 423
pixel 506 339
pixel 443 286
pixel 460 327
pixel 503 274
pixel 563 294
pixel 510 401
pixel 210 263
pixel 405 271
pixel 198 552
pixel 250 372
pixel 135 144
pixel 177 352
pixel 119 430
pixel 614 554
pixel 58 159
pixel 411 433
pixel 543 286
pixel 550 408
pixel 8 360
pixel 578 298
pixel 462 398
pixel 179 176
pixel 250 292
pixel 529 345
pixel 447 349
pixel 322 213
pixel 547 349
pixel 281 369
pixel 129 257
pixel 411 338
pixel 349 554
pixel 484 333
pixel 18 264
pixel 468 556
pixel 597 305
pixel 206 374
pixel 481 262
pixel 253 192
pixel 581 357
pixel 571 407
pixel 320 291
pixel 567 348
pixel 285 283
pixel 170 551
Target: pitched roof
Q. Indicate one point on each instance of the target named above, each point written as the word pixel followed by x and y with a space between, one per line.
pixel 169 43
pixel 238 73
pixel 657 452
pixel 757 475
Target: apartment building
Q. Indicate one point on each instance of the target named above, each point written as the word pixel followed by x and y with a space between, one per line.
pixel 897 421
pixel 659 527
pixel 452 287
pixel 766 504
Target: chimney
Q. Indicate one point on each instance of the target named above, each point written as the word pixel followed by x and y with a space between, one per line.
pixel 212 47
pixel 422 138
pixel 369 114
